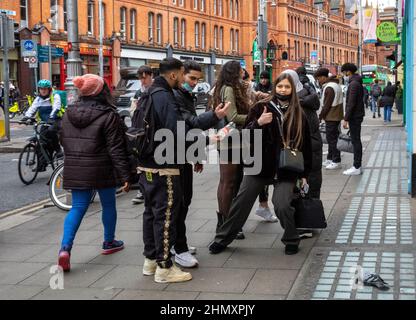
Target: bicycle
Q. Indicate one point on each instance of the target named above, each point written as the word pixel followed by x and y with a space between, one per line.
pixel 19 107
pixel 34 155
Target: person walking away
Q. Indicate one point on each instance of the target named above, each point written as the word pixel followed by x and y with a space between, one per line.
pixel 92 135
pixel 186 100
pixel 399 98
pixel 145 75
pixel 230 88
pixel 366 96
pixel 387 101
pixel 282 107
pixel 47 107
pixel 332 113
pixel 375 93
pixel 354 114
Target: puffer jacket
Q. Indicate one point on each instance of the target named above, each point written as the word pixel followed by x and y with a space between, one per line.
pixel 310 103
pixel 92 134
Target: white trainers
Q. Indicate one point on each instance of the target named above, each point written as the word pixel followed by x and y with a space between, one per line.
pixel 149 267
pixel 333 166
pixel 171 275
pixel 353 171
pixel 326 163
pixel 186 260
pixel 266 214
pixel 192 250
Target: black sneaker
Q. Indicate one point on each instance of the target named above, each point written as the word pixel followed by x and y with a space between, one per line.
pixel 216 248
pixel 291 249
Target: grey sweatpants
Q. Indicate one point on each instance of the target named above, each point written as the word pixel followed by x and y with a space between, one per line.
pixel 242 204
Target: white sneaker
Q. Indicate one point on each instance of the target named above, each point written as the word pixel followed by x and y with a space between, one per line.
pixel 333 166
pixel 186 260
pixel 149 267
pixel 353 171
pixel 172 274
pixel 266 214
pixel 326 163
pixel 192 250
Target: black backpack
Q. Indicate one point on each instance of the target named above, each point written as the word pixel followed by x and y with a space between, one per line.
pixel 140 135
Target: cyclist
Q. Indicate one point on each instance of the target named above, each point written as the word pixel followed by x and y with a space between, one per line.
pixel 47 107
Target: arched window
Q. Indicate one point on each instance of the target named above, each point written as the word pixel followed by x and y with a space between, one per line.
pixel 236 9
pixel 196 34
pixel 176 31
pixel 237 41
pixel 151 24
pixel 183 33
pixel 216 37
pixel 203 35
pixel 159 29
pixel 220 7
pixel 215 6
pixel 123 22
pixel 221 38
pixel 132 24
pixel 202 6
pixel 232 39
pixel 231 11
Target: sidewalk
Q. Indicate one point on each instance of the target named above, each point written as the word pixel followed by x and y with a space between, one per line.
pixel 370 223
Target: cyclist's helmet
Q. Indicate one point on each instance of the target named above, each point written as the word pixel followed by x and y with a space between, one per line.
pixel 44 83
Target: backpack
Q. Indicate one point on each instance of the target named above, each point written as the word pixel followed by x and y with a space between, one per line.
pixel 141 133
pixel 376 92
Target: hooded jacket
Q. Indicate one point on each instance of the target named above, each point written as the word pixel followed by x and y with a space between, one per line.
pixel 92 134
pixel 354 109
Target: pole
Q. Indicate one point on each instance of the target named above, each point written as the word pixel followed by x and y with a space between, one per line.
pixel 260 31
pixel 319 30
pixel 360 36
pixel 74 61
pixel 100 57
pixel 5 34
pixel 49 60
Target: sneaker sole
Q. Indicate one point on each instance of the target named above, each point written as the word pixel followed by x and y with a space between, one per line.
pixel 184 265
pixel 145 273
pixel 173 281
pixel 64 262
pixel 111 251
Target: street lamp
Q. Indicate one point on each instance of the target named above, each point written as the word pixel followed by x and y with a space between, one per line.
pixel 324 16
pixel 262 29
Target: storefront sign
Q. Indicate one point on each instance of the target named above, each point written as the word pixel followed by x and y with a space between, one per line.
pixel 387 32
pixel 191 58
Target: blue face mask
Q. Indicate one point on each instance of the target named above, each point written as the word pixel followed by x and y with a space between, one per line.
pixel 187 87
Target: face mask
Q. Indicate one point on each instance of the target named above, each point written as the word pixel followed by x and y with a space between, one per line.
pixel 282 97
pixel 346 79
pixel 187 87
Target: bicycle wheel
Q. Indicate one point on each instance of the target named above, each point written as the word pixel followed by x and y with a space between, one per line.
pixel 59 196
pixel 28 164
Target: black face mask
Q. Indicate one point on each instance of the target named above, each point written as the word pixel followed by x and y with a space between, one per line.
pixel 282 97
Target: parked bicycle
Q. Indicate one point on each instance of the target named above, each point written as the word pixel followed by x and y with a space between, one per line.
pixel 19 107
pixel 35 157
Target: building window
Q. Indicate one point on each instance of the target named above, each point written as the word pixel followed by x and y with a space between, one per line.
pixel 54 15
pixel 231 9
pixel 215 6
pixel 216 37
pixel 23 13
pixel 176 31
pixel 123 22
pixel 232 39
pixel 196 4
pixel 174 2
pixel 221 38
pixel 65 16
pixel 90 10
pixel 151 23
pixel 220 7
pixel 197 34
pixel 103 16
pixel 203 35
pixel 202 5
pixel 237 41
pixel 236 10
pixel 183 33
pixel 159 29
pixel 181 3
pixel 133 24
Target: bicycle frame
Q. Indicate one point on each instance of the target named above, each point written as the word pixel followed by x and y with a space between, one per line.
pixel 36 140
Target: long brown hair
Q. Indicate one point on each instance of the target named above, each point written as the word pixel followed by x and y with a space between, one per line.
pixel 293 119
pixel 230 76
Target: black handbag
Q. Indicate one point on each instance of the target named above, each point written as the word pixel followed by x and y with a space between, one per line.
pixel 309 213
pixel 344 143
pixel 290 159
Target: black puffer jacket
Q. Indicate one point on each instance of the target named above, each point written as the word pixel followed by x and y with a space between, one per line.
pixel 92 135
pixel 310 103
pixel 354 109
pixel 388 96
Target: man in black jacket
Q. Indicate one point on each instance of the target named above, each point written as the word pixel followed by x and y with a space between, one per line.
pixel 186 101
pixel 265 85
pixel 354 114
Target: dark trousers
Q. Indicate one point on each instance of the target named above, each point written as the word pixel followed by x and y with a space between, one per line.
pixel 230 179
pixel 181 244
pixel 264 194
pixel 163 198
pixel 242 204
pixel 315 184
pixel 355 132
pixel 332 134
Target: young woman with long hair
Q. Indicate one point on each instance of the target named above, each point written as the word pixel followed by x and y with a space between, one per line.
pixel 266 116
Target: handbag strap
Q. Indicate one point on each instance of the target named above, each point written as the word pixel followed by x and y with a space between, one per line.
pixel 279 121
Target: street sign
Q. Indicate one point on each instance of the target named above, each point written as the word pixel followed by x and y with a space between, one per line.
pixel 33 65
pixel 314 57
pixel 28 48
pixel 8 12
pixel 26 59
pixel 33 60
pixel 43 53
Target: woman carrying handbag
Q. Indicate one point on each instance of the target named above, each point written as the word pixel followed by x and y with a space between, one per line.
pixel 286 157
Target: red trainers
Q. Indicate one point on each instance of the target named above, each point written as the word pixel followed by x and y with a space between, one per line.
pixel 64 260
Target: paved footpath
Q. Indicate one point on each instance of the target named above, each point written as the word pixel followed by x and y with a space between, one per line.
pixel 370 225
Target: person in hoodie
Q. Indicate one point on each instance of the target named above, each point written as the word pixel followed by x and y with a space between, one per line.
pixel 303 78
pixel 354 114
pixel 92 135
pixel 264 85
pixel 387 101
pixel 332 113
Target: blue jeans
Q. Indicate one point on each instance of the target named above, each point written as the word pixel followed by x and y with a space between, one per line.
pixel 374 107
pixel 387 113
pixel 80 202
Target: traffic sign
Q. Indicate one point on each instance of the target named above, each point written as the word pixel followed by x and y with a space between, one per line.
pixel 43 53
pixel 29 48
pixel 33 65
pixel 8 12
pixel 33 60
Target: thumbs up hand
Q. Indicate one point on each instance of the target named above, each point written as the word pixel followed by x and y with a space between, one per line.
pixel 265 118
